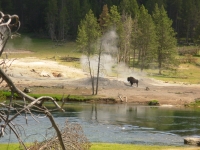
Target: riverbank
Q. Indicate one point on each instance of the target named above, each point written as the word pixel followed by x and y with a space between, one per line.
pixel 111 146
pixel 49 77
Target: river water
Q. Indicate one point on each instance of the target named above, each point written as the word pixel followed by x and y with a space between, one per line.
pixel 119 123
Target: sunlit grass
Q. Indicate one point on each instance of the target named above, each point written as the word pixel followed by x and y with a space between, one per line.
pixel 10 146
pixel 185 73
pixel 108 146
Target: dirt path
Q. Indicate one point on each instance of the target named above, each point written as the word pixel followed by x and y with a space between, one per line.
pixel 44 76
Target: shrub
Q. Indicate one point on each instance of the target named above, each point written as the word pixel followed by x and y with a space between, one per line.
pixel 2 96
pixel 153 102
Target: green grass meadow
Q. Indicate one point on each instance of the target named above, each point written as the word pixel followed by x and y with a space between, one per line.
pixel 110 146
pixel 186 73
pixel 46 49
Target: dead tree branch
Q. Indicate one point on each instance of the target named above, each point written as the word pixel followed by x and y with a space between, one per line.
pixel 8 26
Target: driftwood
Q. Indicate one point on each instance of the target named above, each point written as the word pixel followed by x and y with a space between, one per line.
pixel 32 102
pixel 192 141
pixel 8 26
pixel 121 99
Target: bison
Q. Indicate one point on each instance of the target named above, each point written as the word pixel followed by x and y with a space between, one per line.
pixel 132 80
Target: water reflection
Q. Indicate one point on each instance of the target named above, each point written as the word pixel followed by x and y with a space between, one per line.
pixel 126 123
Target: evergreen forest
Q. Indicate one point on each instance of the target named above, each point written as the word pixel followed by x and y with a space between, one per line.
pixel 39 16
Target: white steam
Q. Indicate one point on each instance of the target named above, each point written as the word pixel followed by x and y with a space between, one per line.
pixel 109 65
pixel 25 44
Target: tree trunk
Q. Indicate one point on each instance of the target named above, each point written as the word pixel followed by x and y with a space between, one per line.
pixel 98 69
pixel 91 76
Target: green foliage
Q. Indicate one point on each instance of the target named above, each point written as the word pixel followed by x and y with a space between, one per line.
pixel 196 103
pixel 56 19
pixel 150 4
pixel 104 19
pixel 7 94
pixel 146 39
pixel 88 33
pixel 153 102
pixel 74 10
pixel 166 51
pixel 57 97
pixel 85 7
pixel 2 96
pixel 130 7
pixel 184 13
pixel 115 19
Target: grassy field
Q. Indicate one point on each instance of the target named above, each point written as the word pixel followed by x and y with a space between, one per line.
pixel 43 49
pixel 46 49
pixel 108 146
pixel 186 73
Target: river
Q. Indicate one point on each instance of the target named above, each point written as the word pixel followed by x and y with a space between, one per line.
pixel 119 123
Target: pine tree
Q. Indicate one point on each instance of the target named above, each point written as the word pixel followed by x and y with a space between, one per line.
pixel 129 7
pixel 116 24
pixel 125 38
pixel 104 19
pixel 85 7
pixel 146 38
pixel 174 11
pixel 62 21
pixel 51 19
pixel 74 9
pixel 166 51
pixel 150 4
pixel 115 17
pixel 88 33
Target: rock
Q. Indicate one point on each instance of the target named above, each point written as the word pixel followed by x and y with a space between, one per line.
pixel 27 90
pixel 60 75
pixel 57 74
pixel 192 141
pixel 45 74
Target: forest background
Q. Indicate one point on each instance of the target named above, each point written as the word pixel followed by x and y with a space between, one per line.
pixel 34 14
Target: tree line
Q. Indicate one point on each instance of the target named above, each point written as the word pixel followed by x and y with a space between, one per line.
pixel 60 18
pixel 142 38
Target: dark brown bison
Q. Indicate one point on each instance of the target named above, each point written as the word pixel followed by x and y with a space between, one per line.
pixel 132 80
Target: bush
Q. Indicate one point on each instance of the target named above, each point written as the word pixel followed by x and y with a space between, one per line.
pixel 2 96
pixel 153 102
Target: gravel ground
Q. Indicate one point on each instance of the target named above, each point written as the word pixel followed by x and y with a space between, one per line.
pixel 45 76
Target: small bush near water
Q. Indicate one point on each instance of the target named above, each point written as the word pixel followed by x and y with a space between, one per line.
pixel 153 102
pixel 196 103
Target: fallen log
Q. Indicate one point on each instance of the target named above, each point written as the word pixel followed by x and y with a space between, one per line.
pixel 192 141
